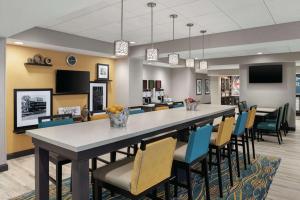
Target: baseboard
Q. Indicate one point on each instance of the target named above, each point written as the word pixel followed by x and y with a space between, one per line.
pixel 20 154
pixel 292 129
pixel 3 167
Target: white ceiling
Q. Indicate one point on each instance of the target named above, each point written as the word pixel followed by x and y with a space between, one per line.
pixel 102 20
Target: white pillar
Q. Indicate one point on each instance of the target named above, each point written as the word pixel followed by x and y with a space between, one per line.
pixel 3 163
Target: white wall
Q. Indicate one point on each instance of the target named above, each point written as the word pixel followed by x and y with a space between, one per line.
pixel 271 95
pixel 215 87
pixel 135 82
pixel 122 81
pixel 159 73
pixel 184 85
pixel 2 103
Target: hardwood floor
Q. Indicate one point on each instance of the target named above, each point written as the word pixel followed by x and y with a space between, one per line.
pixel 19 179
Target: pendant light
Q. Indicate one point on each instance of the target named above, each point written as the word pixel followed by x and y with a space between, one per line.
pixel 203 63
pixel 190 62
pixel 121 46
pixel 151 53
pixel 173 57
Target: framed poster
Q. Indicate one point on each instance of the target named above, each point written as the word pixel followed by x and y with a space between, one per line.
pixel 98 97
pixel 102 72
pixel 29 105
pixel 298 84
pixel 199 87
pixel 207 86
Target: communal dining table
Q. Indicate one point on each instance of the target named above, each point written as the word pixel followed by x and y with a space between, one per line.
pixel 83 141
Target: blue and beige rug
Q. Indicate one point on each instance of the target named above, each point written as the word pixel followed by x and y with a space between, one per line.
pixel 253 184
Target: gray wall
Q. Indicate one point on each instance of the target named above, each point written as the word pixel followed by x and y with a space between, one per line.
pixel 184 85
pixel 215 84
pixel 159 73
pixel 271 95
pixel 135 82
pixel 2 102
pixel 122 81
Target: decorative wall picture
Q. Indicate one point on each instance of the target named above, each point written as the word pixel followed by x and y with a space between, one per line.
pixel 103 72
pixel 207 86
pixel 145 85
pixel 29 105
pixel 98 97
pixel 151 84
pixel 198 87
pixel 75 110
pixel 235 88
pixel 158 84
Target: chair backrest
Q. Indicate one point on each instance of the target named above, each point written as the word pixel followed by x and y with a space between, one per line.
pixel 136 111
pixel 242 106
pixel 98 117
pixel 225 130
pixel 55 120
pixel 178 105
pixel 286 111
pixel 241 124
pixel 161 108
pixel 279 118
pixel 152 165
pixel 251 117
pixel 198 143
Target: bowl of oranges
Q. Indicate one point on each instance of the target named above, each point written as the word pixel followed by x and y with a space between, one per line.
pixel 118 115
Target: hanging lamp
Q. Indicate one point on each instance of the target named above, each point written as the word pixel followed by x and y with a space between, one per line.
pixel 121 46
pixel 173 57
pixel 151 53
pixel 190 62
pixel 203 62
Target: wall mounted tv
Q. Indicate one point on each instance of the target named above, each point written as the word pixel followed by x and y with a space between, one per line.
pixel 72 82
pixel 265 74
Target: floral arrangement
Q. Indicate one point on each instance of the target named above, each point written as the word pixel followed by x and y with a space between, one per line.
pixel 191 103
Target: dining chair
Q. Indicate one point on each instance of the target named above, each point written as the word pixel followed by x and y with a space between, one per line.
pixel 250 131
pixel 137 177
pixel 271 128
pixel 178 105
pixel 285 124
pixel 242 105
pixel 161 108
pixel 188 154
pixel 219 141
pixel 57 160
pixel 239 132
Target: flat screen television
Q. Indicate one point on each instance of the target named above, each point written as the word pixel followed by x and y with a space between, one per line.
pixel 74 82
pixel 265 74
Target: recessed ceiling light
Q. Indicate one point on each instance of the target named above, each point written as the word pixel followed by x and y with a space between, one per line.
pixel 259 53
pixel 132 42
pixel 18 43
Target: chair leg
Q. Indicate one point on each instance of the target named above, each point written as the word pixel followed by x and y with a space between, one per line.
pixel 278 137
pixel 205 171
pixel 253 148
pixel 237 156
pixel 167 191
pixel 244 152
pixel 113 156
pixel 58 181
pixel 210 158
pixel 248 148
pixel 230 164
pixel 189 183
pixel 97 191
pixel 219 172
pixel 128 152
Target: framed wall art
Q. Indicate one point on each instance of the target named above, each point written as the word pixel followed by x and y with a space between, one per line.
pixel 207 86
pixel 29 105
pixel 102 72
pixel 198 86
pixel 98 97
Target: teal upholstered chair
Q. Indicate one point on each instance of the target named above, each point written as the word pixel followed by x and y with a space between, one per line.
pixel 178 105
pixel 187 154
pixel 239 132
pixel 272 128
pixel 136 111
pixel 242 105
pixel 51 121
pixel 284 125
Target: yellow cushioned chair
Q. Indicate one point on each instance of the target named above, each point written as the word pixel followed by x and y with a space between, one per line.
pixel 220 140
pixel 136 177
pixel 161 108
pixel 250 131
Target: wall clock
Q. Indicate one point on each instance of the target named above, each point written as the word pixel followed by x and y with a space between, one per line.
pixel 71 60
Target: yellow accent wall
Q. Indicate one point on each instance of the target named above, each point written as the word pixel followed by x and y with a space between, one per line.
pixel 19 76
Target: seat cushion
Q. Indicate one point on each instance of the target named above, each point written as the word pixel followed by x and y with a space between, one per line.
pixel 180 151
pixel 117 173
pixel 266 126
pixel 213 137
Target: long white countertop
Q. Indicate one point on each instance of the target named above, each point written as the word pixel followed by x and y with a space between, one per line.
pixel 82 136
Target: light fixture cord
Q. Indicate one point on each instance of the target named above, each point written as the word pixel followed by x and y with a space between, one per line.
pixel 122 6
pixel 203 47
pixel 189 42
pixel 152 26
pixel 173 28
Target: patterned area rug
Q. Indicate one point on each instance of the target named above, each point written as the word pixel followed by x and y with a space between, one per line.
pixel 253 184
